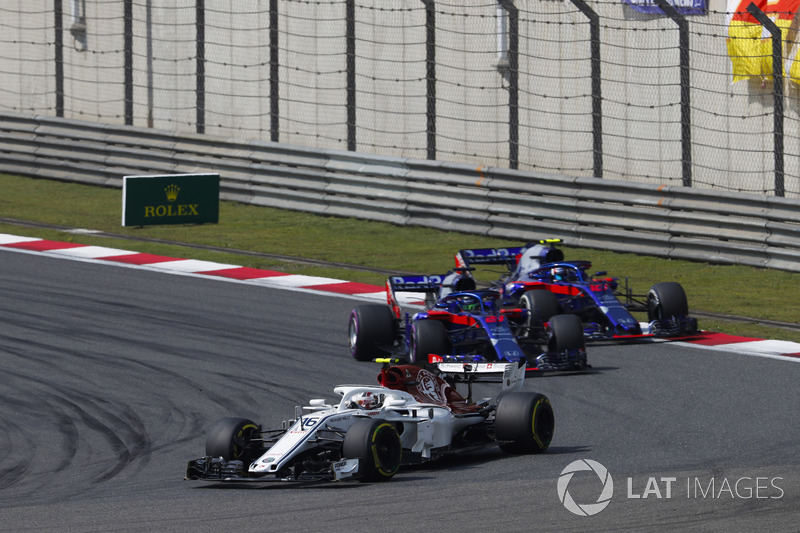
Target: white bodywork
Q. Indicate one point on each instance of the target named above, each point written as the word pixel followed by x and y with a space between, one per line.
pixel 423 427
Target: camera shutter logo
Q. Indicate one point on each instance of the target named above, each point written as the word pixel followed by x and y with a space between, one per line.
pixel 587 509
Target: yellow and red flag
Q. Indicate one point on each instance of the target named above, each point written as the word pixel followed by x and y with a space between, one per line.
pixel 785 11
pixel 746 47
pixel 750 45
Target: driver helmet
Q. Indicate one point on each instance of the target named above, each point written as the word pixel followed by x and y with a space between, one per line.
pixel 469 304
pixel 559 273
pixel 368 400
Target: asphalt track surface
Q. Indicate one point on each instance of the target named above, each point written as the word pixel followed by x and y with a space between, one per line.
pixel 110 376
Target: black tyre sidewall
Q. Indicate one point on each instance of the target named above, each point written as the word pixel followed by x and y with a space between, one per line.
pixel 542 305
pixel 565 333
pixel 427 337
pixel 223 436
pixel 374 330
pixel 665 300
pixel 376 444
pixel 526 421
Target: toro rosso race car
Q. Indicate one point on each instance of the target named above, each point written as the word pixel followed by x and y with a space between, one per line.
pixel 538 278
pixel 412 416
pixel 463 324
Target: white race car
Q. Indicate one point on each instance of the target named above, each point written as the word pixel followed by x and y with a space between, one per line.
pixel 412 416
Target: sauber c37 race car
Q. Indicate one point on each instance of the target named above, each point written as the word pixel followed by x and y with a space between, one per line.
pixel 411 417
pixel 538 278
pixel 463 324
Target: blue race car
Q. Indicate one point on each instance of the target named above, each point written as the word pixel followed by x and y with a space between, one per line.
pixel 539 279
pixel 461 324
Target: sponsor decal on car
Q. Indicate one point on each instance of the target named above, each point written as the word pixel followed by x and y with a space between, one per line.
pixel 427 387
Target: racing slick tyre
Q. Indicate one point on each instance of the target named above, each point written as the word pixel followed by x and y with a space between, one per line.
pixel 565 333
pixel 372 331
pixel 524 422
pixel 427 337
pixel 666 300
pixel 234 438
pixel 541 306
pixel 376 445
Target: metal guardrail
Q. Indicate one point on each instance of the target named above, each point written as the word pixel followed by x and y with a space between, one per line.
pixel 671 222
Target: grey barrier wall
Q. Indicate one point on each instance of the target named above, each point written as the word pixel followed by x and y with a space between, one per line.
pixel 664 221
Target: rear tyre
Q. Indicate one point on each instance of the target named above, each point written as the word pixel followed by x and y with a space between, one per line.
pixel 541 306
pixel 234 439
pixel 666 300
pixel 565 333
pixel 427 337
pixel 371 329
pixel 376 445
pixel 524 421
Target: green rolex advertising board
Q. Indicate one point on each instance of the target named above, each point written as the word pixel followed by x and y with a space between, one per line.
pixel 170 199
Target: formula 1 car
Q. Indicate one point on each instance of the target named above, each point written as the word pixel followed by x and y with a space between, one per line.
pixel 463 324
pixel 411 417
pixel 538 278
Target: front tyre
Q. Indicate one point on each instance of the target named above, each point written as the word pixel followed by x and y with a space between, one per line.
pixel 234 439
pixel 371 330
pixel 427 337
pixel 524 421
pixel 376 445
pixel 541 305
pixel 666 300
pixel 565 333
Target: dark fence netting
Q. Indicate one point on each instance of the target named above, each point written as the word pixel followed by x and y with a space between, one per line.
pixel 626 90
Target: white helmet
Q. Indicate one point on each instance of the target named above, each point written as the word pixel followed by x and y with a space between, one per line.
pixel 368 400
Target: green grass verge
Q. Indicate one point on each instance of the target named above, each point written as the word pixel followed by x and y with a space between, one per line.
pixel 728 289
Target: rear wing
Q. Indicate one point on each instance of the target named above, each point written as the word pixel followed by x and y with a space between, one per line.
pixel 510 374
pixel 427 286
pixel 415 283
pixel 488 256
pixel 542 251
pixel 431 288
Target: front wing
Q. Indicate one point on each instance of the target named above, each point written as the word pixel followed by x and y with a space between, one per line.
pixel 218 469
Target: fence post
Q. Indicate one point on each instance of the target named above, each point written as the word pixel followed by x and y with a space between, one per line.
pixel 597 97
pixel 430 74
pixel 149 32
pixel 58 8
pixel 513 83
pixel 200 29
pixel 777 91
pixel 686 110
pixel 128 67
pixel 274 72
pixel 350 36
